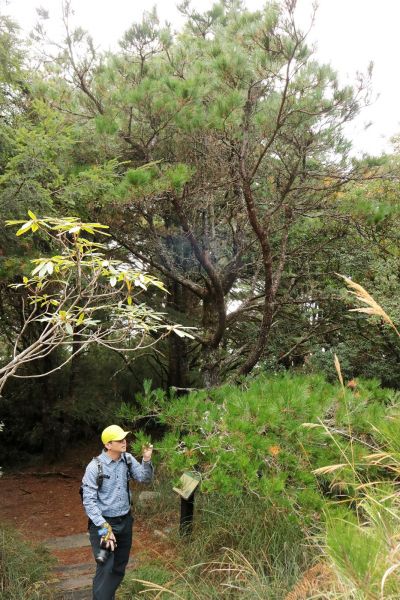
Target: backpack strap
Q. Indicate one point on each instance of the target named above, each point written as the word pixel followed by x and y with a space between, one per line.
pixel 129 472
pixel 100 474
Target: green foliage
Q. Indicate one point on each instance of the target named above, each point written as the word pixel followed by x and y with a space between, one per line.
pixel 81 263
pixel 91 187
pixel 36 165
pixel 12 75
pixel 258 528
pixel 255 439
pixel 149 180
pixel 166 119
pixel 102 383
pixel 374 201
pixel 362 544
pixel 139 177
pixel 106 125
pixel 81 296
pixel 283 459
pixel 199 107
pixel 361 554
pixel 179 176
pixel 153 573
pixel 232 535
pixel 334 479
pixel 24 568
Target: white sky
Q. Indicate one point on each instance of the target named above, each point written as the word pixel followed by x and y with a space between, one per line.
pixel 348 33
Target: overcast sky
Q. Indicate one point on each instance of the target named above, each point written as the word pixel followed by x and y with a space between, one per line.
pixel 348 34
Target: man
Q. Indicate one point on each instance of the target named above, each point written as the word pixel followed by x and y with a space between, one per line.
pixel 106 499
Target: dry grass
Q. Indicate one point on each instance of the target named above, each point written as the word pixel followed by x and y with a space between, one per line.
pixel 317 580
pixel 372 308
pixel 339 371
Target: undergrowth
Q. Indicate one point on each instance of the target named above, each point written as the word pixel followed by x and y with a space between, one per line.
pixel 24 568
pixel 285 469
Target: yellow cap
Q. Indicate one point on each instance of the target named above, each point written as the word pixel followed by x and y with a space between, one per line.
pixel 113 433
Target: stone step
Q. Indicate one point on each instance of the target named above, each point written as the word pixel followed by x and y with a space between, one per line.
pixel 75 568
pixel 76 582
pixel 74 579
pixel 78 540
pixel 85 594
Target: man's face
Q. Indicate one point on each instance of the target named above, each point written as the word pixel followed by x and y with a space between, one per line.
pixel 117 445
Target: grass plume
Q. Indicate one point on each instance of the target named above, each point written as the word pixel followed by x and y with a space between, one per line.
pixel 372 308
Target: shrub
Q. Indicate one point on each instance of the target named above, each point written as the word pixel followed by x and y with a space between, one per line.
pixel 274 455
pixel 253 439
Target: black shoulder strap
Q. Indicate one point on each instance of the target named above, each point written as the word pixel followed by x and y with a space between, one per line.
pixel 99 478
pixel 128 462
pixel 100 474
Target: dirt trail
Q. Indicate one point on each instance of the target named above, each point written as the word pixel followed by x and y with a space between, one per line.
pixel 44 505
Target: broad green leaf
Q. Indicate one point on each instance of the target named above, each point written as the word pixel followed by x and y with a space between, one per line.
pixel 37 268
pixel 139 283
pixel 182 333
pixel 25 227
pixel 98 225
pixel 43 270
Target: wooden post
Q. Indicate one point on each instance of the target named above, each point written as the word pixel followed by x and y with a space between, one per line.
pixel 188 484
pixel 186 520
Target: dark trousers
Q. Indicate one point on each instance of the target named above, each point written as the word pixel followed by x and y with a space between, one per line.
pixel 110 574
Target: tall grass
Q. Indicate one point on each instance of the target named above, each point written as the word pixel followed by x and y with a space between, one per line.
pixel 362 539
pixel 363 545
pixel 241 547
pixel 24 568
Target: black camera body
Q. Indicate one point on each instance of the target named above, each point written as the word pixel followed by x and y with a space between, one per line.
pixel 103 554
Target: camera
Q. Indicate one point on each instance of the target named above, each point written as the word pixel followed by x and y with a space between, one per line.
pixel 103 554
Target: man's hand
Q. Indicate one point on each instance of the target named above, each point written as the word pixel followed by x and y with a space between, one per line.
pixel 147 451
pixel 107 537
pixel 109 542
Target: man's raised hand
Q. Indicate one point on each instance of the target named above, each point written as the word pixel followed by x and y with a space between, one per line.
pixel 147 451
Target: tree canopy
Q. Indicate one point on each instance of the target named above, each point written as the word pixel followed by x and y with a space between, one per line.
pixel 218 161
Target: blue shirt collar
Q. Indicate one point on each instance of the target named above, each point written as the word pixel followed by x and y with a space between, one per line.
pixel 107 459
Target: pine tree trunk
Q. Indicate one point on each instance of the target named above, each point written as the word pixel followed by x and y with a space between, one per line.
pixel 210 363
pixel 178 367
